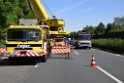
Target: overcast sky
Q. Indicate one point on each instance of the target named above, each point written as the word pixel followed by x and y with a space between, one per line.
pixel 79 13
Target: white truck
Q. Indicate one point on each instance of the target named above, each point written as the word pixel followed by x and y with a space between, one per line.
pixel 83 40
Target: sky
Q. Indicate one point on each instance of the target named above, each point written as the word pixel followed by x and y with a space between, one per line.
pixel 79 13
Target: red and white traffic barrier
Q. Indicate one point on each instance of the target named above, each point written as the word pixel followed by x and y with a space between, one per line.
pixel 61 49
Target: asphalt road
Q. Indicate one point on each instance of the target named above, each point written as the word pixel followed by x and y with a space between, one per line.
pixel 110 69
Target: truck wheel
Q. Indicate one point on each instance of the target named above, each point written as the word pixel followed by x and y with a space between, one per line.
pixel 76 45
pixel 89 48
pixel 13 60
pixel 49 52
pixel 44 58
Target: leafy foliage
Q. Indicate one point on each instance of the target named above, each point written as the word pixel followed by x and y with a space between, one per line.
pixel 11 11
pixel 89 29
pixel 110 44
pixel 111 30
pixel 100 29
pixel 120 23
pixel 110 37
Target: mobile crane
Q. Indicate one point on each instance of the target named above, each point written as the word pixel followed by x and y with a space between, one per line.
pixel 26 42
pixel 56 30
pixel 55 25
pixel 30 40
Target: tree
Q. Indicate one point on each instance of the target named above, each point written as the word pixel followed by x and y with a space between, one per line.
pixel 11 11
pixel 108 28
pixel 74 35
pixel 119 21
pixel 100 28
pixel 89 29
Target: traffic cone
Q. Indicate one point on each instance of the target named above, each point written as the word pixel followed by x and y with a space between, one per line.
pixel 93 63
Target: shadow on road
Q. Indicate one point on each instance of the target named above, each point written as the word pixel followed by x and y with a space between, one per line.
pixel 57 57
pixel 83 48
pixel 6 62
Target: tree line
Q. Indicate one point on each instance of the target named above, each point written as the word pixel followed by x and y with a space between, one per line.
pixel 12 10
pixel 111 30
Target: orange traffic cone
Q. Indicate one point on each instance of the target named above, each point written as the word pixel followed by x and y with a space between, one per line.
pixel 93 63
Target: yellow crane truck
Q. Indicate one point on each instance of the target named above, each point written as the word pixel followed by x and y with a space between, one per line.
pixel 55 29
pixel 55 25
pixel 31 40
pixel 26 41
pixel 38 9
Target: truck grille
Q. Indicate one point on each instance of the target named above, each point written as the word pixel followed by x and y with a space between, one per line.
pixel 84 43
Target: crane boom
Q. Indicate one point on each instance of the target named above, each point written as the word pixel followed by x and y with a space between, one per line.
pixel 43 15
pixel 39 9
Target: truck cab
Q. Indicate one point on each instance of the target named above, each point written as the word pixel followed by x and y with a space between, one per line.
pixel 84 40
pixel 26 41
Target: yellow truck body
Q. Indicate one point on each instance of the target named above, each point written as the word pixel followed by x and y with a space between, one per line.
pixel 26 41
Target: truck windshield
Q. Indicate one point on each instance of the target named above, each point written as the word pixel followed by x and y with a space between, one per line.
pixel 84 37
pixel 23 35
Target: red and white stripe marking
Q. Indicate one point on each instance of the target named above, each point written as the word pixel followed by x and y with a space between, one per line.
pixel 2 50
pixel 44 50
pixel 60 49
pixel 26 54
pixel 29 54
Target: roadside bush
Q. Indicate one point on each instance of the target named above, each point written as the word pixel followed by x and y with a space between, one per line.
pixel 115 45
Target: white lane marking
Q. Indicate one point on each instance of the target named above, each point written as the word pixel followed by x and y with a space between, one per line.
pixel 118 55
pixel 76 53
pixel 108 74
pixel 36 66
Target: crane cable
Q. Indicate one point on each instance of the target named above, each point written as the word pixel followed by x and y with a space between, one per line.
pixel 47 8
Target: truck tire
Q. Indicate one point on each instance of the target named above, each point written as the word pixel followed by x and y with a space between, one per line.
pixel 48 50
pixel 44 58
pixel 76 45
pixel 13 60
pixel 89 48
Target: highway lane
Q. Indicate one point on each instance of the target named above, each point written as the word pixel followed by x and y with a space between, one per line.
pixel 59 70
pixel 78 70
pixel 112 63
pixel 15 73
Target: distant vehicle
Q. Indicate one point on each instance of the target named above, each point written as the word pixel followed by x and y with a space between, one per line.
pixel 71 42
pixel 84 40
